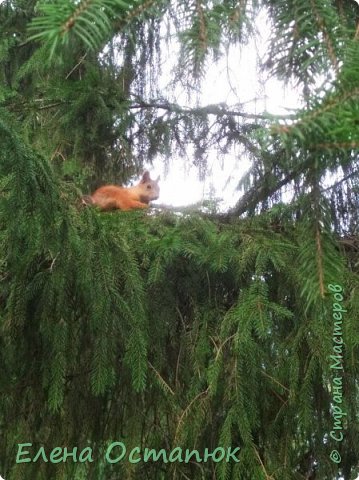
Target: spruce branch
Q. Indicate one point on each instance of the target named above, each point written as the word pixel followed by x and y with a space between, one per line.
pixel 323 28
pixel 356 36
pixel 161 379
pixel 332 103
pixel 82 59
pixel 275 381
pixel 185 413
pixel 262 191
pixel 335 146
pixel 139 10
pixel 320 261
pixel 218 110
pixel 267 476
pixel 70 22
pixel 202 26
pixel 342 180
pixel 90 20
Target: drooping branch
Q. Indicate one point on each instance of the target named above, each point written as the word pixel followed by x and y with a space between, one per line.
pixel 219 110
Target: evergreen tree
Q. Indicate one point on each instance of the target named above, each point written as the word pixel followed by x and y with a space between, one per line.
pixel 194 330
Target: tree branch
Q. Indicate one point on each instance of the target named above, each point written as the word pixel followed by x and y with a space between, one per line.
pixel 218 110
pixel 263 190
pixel 258 193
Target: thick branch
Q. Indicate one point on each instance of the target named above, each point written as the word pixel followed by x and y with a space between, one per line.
pixel 261 191
pixel 264 189
pixel 258 193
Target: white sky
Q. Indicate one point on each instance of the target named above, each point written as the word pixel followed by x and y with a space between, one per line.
pixel 232 81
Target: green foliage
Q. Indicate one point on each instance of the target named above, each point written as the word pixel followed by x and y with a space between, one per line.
pixel 163 330
pixel 306 40
pixel 207 28
pixel 89 20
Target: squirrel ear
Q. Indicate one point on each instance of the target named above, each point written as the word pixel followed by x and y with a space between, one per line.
pixel 145 177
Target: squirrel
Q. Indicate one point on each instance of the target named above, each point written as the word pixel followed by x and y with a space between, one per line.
pixel 112 197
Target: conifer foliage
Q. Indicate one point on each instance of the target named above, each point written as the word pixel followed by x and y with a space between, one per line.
pixel 188 330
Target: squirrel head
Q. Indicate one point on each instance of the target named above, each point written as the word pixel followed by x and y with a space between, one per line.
pixel 149 189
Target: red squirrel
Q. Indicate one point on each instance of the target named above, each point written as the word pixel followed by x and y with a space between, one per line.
pixel 112 197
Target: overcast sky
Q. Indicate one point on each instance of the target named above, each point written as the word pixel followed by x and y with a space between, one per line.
pixel 234 80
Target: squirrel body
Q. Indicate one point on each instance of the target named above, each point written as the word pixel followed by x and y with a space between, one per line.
pixel 112 197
